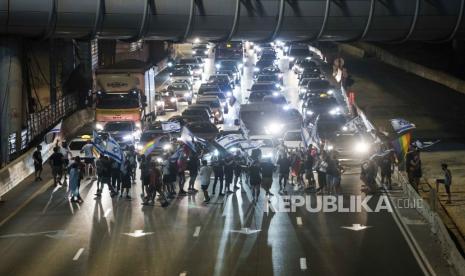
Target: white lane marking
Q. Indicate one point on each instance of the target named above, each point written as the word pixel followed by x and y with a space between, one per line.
pixel 303 263
pixel 197 231
pixel 299 221
pixel 183 273
pixel 78 254
pixel 107 212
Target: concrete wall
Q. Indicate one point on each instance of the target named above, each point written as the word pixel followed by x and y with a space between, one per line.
pixel 368 50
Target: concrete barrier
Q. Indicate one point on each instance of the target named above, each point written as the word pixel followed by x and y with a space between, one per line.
pixel 18 170
pixel 365 49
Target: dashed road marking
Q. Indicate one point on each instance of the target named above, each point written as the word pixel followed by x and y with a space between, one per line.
pixel 196 232
pixel 299 220
pixel 303 263
pixel 78 254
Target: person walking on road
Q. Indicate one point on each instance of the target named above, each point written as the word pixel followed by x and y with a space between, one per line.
pixel 284 168
pixel 218 170
pixel 322 169
pixel 228 173
pixel 267 169
pixel 126 178
pixel 37 158
pixel 255 172
pixel 116 176
pixel 205 175
pixel 169 175
pixel 64 149
pixel 75 176
pixel 89 161
pixel 308 167
pixel 155 185
pixel 239 162
pixel 447 181
pixel 144 173
pixel 386 165
pixel 56 162
pixel 193 165
pixel 181 171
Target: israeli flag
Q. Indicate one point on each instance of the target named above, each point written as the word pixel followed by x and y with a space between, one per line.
pixel 98 142
pixel 188 138
pixel 230 140
pixel 401 125
pixel 113 150
pixel 171 126
pixel 57 128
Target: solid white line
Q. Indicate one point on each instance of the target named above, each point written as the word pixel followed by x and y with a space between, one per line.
pixel 107 212
pixel 78 254
pixel 303 263
pixel 197 231
pixel 299 221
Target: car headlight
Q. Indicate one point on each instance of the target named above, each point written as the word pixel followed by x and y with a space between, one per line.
pixel 193 52
pixel 205 52
pixel 159 103
pixel 240 65
pixel 303 90
pixel 218 66
pixel 138 125
pixel 256 69
pixel 159 160
pixel 286 107
pixel 335 111
pixel 277 85
pixel 139 147
pixel 229 94
pixel 361 147
pixel 128 137
pixel 167 147
pixel 344 128
pixel 275 94
pixel 330 92
pixel 280 75
pixel 173 99
pixel 186 95
pixel 291 58
pixel 330 147
pixel 274 128
pixel 268 155
pixel 286 48
pixel 309 112
pixel 98 126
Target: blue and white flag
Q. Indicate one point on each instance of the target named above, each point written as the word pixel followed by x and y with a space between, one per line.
pixel 171 126
pixel 230 140
pixel 113 150
pixel 188 138
pixel 57 128
pixel 401 125
pixel 98 143
pixel 250 144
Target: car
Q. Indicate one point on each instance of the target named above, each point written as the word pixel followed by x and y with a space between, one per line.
pixel 216 110
pixel 182 91
pixel 76 144
pixel 321 106
pixel 297 51
pixel 182 74
pixel 262 86
pixel 260 65
pixel 274 78
pixel 155 132
pixel 159 104
pixel 231 74
pixel 124 132
pixel 221 96
pixel 301 63
pixel 277 100
pixel 267 148
pixel 183 81
pixel 197 66
pixel 293 139
pixel 225 83
pixel 257 96
pixel 316 88
pixel 270 54
pixel 309 72
pixel 169 100
pixel 201 50
pixel 228 63
pixel 216 105
pixel 201 113
pixel 204 130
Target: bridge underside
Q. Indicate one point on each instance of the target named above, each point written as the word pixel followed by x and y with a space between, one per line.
pixel 256 20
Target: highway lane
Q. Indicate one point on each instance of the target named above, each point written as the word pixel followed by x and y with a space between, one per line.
pixel 236 237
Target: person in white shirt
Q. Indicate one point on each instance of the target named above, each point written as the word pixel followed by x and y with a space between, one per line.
pixel 205 175
pixel 89 161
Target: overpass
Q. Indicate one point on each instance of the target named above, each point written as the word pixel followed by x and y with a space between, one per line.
pixel 180 20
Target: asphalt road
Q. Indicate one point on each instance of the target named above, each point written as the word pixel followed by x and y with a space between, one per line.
pixel 229 236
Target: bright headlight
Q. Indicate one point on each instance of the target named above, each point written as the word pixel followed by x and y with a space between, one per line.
pixel 330 92
pixel 291 58
pixel 98 126
pixel 128 137
pixel 218 66
pixel 344 128
pixel 229 94
pixel 159 103
pixel 330 147
pixel 335 111
pixel 205 52
pixel 167 147
pixel 361 147
pixel 268 155
pixel 256 69
pixel 277 85
pixel 138 125
pixel 275 94
pixel 274 128
pixel 159 160
pixel 170 64
pixel 303 90
pixel 193 52
pixel 286 107
pixel 139 147
pixel 286 48
pixel 186 95
pixel 309 112
pixel 173 100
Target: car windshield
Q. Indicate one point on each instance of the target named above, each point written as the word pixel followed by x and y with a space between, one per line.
pixel 178 86
pixel 202 128
pixel 293 136
pixel 181 73
pixel 275 99
pixel 299 52
pixel 77 145
pixel 117 101
pixel 220 95
pixel 268 143
pixel 268 56
pixel 205 89
pixel 318 85
pixel 264 78
pixel 194 112
pixel 211 103
pixel 263 86
pixel 188 61
pixel 149 136
pixel 271 70
pixel 264 62
pixel 219 78
pixel 257 96
pixel 228 63
pixel 120 126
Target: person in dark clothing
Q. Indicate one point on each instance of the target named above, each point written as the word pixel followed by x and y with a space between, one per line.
pixel 255 172
pixel 267 169
pixel 181 171
pixel 154 185
pixel 106 164
pixel 308 168
pixel 57 162
pixel 228 173
pixel 144 173
pixel 447 181
pixel 386 165
pixel 284 168
pixel 218 170
pixel 239 162
pixel 37 159
pixel 321 172
pixel 115 176
pixel 193 165
pixel 126 174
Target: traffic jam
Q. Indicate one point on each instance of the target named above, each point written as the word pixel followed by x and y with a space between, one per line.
pixel 224 100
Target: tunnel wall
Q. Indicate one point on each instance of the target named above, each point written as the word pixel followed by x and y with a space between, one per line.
pixel 335 20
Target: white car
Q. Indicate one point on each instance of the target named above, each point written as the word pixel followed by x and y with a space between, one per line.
pixel 76 144
pixel 269 146
pixel 293 139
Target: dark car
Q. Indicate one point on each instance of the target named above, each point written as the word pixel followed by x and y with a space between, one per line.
pixel 316 88
pixel 169 100
pixel 208 87
pixel 307 72
pixel 257 96
pixel 262 64
pixel 200 50
pixel 204 130
pixel 297 51
pixel 275 78
pixel 262 86
pixel 223 81
pixel 321 106
pixel 204 114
